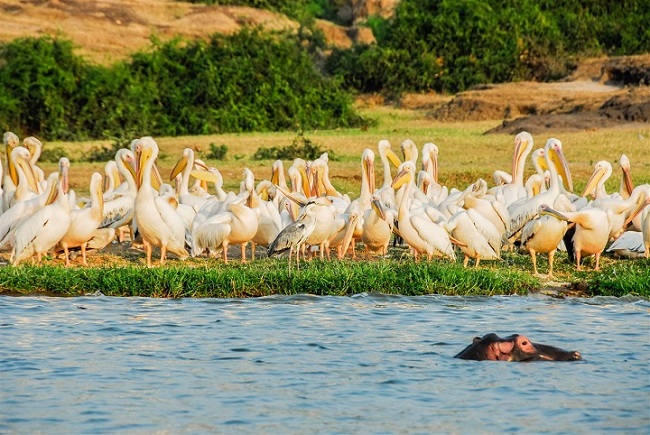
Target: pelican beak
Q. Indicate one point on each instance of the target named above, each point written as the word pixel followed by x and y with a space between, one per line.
pixel 306 188
pixel 275 174
pixel 457 242
pixel 401 178
pixel 629 186
pixel 11 166
pixel 206 176
pixel 156 180
pixel 545 210
pixel 64 168
pixel 378 207
pixel 595 178
pixel 557 157
pixel 178 167
pixel 142 155
pixel 28 169
pixel 294 199
pixel 639 209
pixel 369 168
pixel 393 158
pixel 53 193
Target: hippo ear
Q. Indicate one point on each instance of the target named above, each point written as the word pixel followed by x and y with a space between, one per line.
pixel 476 340
pixel 505 346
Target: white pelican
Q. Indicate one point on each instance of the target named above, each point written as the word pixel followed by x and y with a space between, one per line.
pixel 42 230
pixel 423 235
pixel 14 216
pixel 522 212
pixel 185 166
pixel 236 225
pixel 378 224
pixel 112 178
pixel 487 206
pixel 10 180
pixel 436 191
pixel 293 237
pixel 591 231
pixel 409 151
pixel 514 190
pixel 479 239
pixel 622 208
pixel 627 186
pixel 350 222
pixel 35 148
pixel 84 222
pixel 157 221
pixel 634 243
pixel 118 207
pixel 596 183
pixel 542 235
pixel 27 186
pixel 387 156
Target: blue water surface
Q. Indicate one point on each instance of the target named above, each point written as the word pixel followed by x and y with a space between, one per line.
pixel 306 364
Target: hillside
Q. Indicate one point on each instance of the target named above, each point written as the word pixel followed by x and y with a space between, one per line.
pixel 106 31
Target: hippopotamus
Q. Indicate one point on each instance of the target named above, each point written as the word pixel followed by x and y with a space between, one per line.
pixel 514 348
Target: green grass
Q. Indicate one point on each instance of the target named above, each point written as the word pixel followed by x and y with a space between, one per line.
pixel 400 275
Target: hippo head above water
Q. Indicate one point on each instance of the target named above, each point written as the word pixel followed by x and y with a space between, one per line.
pixel 514 348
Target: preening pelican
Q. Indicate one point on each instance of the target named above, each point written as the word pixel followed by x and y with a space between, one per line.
pixel 14 216
pixel 119 204
pixel 378 224
pixel 591 231
pixel 10 180
pixel 158 222
pixel 84 222
pixel 423 235
pixel 27 186
pixel 42 230
pixel 514 190
pixel 542 235
pixel 435 191
pixel 522 212
pixel 627 186
pixel 236 225
pixel 293 237
pixel 184 166
pixel 479 239
pixel 35 148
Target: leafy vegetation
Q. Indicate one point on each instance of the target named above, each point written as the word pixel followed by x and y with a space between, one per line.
pixel 250 81
pixel 301 146
pixel 450 45
pixel 217 152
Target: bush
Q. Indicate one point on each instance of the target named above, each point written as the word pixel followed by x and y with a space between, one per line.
pixel 301 146
pixel 217 152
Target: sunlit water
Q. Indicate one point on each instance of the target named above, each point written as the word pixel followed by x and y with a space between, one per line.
pixel 306 364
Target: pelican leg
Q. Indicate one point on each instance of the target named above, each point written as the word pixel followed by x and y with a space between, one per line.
pixel 551 256
pixel 147 249
pixel 597 255
pixel 225 252
pixel 578 254
pixel 533 257
pixel 163 254
pixel 243 252
pixel 465 261
pixel 83 254
pixel 478 260
pixel 67 255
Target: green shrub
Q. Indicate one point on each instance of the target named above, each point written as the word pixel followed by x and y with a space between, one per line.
pixel 217 152
pixel 301 146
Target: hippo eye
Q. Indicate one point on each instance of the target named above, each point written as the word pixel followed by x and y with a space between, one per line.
pixel 524 343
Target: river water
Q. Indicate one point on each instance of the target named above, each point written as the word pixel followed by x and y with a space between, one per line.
pixel 305 364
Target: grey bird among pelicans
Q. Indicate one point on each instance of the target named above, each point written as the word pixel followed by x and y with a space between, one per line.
pixel 293 237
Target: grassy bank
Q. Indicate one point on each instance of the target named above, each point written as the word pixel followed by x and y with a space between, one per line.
pixel 264 277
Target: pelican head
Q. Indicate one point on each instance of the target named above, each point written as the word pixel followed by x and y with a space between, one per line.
pixel 554 150
pixel 405 174
pixel 409 150
pixel 602 171
pixel 183 162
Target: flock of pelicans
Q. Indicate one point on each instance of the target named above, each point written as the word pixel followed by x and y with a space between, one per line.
pixel 301 212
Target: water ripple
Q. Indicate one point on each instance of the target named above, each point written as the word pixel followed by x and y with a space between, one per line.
pixel 297 364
